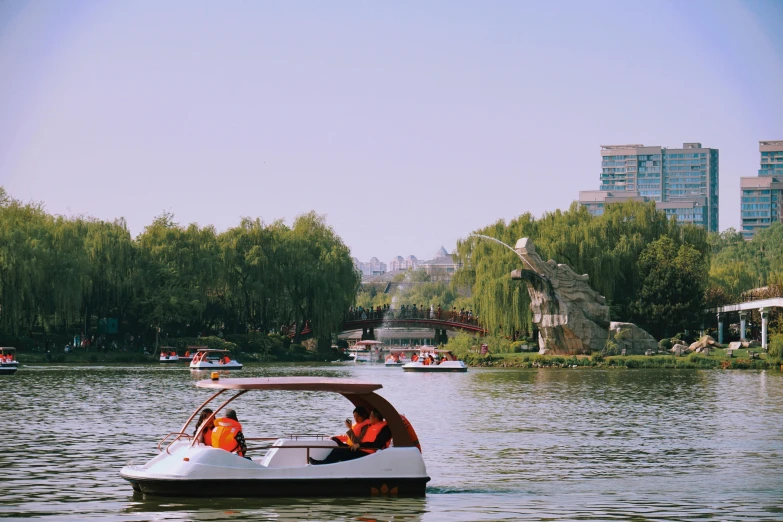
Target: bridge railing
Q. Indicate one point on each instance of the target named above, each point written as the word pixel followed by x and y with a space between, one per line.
pixel 452 316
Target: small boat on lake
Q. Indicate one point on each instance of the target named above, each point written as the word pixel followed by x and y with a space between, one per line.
pixel 168 355
pixel 186 468
pixel 365 351
pixel 8 362
pixel 432 360
pixel 212 359
pixel 400 356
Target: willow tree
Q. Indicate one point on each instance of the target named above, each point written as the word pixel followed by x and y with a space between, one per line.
pixel 251 278
pixel 26 259
pixel 321 279
pixel 177 274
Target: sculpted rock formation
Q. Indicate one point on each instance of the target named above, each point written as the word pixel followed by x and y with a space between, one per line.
pixel 572 318
pixel 631 338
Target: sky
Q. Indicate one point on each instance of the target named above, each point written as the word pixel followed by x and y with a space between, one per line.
pixel 407 124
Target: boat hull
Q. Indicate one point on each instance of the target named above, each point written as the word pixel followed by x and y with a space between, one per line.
pixel 168 360
pixel 342 487
pixel 445 367
pixel 203 471
pixel 434 369
pixel 7 370
pixel 215 367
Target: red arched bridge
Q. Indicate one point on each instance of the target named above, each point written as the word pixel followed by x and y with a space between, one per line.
pixel 368 320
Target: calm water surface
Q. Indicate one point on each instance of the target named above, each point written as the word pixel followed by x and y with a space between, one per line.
pixel 499 444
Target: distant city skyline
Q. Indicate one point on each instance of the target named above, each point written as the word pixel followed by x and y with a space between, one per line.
pixel 405 124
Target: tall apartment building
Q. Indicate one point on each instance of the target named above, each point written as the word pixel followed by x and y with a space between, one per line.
pixel 762 196
pixel 682 182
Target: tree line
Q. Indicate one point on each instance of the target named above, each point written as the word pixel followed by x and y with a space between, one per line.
pixel 61 274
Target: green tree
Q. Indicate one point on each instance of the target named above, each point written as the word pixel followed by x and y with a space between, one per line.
pixel 671 294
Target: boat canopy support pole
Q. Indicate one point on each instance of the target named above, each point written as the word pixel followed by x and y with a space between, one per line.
pixel 190 419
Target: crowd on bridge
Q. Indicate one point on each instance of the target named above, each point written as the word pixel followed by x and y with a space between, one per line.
pixel 411 312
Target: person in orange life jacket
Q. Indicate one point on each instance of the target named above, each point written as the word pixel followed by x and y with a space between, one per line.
pixel 228 435
pixel 356 430
pixel 378 436
pixel 206 435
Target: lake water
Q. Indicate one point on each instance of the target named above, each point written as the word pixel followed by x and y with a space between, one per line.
pixel 499 444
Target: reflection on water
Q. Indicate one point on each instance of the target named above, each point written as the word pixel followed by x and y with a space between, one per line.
pixel 499 444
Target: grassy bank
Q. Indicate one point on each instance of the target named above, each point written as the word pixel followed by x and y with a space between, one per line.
pixel 716 360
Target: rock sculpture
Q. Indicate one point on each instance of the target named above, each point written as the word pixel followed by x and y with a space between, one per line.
pixel 572 318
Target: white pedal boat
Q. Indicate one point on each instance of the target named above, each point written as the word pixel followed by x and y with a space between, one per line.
pixel 8 362
pixel 168 355
pixel 448 362
pixel 210 359
pixel 186 468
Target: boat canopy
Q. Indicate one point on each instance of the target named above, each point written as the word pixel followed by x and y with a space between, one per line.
pixel 7 349
pixel 343 386
pixel 211 350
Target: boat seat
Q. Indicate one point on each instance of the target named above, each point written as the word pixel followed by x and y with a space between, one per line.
pixel 296 457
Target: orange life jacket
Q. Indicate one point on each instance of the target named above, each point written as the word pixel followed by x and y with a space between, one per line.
pixel 372 433
pixel 411 432
pixel 357 430
pixel 414 358
pixel 224 435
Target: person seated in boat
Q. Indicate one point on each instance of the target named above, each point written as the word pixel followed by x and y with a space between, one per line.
pixel 356 430
pixel 227 434
pixel 205 437
pixel 415 357
pixel 378 436
pixel 187 353
pixel 173 354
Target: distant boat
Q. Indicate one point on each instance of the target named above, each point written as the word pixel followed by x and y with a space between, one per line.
pixel 168 355
pixel 8 362
pixel 362 351
pixel 208 359
pixel 400 356
pixel 432 360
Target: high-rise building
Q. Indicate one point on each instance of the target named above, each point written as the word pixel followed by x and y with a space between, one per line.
pixel 682 182
pixel 762 196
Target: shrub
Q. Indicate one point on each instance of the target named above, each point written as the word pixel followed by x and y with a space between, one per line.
pixel 775 350
pixel 611 348
pixel 665 344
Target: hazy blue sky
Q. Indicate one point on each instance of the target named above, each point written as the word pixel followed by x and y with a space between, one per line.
pixel 409 124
